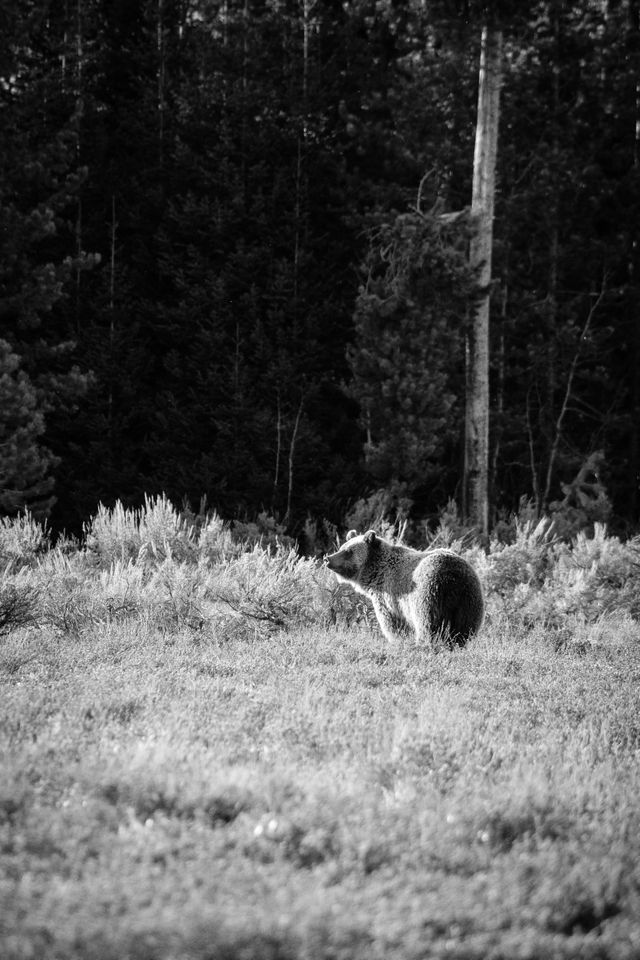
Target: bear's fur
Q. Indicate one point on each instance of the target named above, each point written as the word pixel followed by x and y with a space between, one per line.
pixel 435 596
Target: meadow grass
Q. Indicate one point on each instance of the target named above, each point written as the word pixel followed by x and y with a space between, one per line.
pixel 208 752
pixel 315 793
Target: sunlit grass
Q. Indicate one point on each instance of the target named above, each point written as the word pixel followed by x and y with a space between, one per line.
pixel 317 793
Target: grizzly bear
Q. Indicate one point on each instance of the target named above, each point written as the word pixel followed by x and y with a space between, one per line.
pixel 435 596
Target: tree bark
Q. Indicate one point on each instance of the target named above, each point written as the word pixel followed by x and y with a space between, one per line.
pixel 476 462
pixel 292 446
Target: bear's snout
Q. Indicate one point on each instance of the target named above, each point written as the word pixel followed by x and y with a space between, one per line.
pixel 342 564
pixel 339 563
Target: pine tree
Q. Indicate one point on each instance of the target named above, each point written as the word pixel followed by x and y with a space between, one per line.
pixel 408 356
pixel 25 465
pixel 38 184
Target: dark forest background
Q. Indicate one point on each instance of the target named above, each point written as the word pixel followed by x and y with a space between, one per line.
pixel 233 256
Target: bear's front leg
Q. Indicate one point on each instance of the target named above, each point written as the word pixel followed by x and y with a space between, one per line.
pixel 392 624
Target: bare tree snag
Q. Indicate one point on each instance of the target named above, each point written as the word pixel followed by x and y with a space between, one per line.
pixel 476 460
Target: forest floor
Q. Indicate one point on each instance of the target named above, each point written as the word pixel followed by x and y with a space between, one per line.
pixel 318 794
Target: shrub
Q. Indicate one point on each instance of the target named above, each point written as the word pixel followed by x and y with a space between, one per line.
pixel 215 541
pixel 70 592
pixel 383 512
pixel 113 534
pixel 121 589
pixel 527 560
pixel 157 532
pixel 147 535
pixel 181 573
pixel 540 579
pixel 265 531
pixel 18 606
pixel 273 590
pixel 506 527
pixel 22 539
pixel 164 532
pixel 176 595
pixel 597 575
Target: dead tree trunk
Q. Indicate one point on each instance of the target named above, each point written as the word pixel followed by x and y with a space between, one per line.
pixel 476 461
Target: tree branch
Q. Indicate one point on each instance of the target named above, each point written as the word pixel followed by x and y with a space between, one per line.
pixel 567 393
pixel 532 458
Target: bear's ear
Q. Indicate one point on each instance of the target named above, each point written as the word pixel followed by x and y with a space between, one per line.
pixel 370 537
pixel 351 534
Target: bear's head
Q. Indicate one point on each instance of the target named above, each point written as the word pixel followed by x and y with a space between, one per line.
pixel 350 560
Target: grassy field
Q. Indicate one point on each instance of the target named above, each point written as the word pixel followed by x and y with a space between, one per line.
pixel 171 790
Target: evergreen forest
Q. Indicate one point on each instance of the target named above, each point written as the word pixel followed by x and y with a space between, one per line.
pixel 234 257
